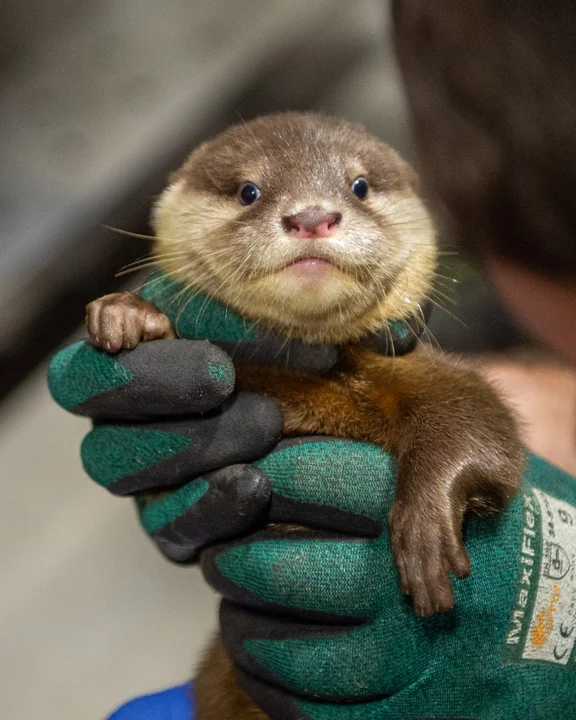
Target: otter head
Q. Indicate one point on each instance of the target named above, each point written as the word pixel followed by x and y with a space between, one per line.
pixel 304 224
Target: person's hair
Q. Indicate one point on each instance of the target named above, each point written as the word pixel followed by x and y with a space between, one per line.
pixel 492 91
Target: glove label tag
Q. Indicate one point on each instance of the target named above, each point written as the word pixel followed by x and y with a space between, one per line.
pixel 542 627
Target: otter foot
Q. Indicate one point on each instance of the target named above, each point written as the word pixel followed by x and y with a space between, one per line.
pixel 427 545
pixel 121 320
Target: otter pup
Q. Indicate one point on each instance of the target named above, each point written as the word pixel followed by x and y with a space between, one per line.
pixel 311 228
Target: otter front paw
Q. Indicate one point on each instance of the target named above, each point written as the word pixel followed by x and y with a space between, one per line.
pixel 427 545
pixel 121 320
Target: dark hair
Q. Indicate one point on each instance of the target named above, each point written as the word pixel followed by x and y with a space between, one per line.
pixel 492 92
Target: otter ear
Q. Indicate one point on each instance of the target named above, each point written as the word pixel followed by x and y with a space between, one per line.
pixel 184 170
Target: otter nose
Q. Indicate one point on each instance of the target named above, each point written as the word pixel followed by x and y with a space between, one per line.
pixel 312 222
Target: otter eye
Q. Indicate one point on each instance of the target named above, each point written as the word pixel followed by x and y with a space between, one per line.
pixel 248 194
pixel 360 188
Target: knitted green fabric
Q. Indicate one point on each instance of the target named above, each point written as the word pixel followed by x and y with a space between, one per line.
pixel 78 372
pixel 165 412
pixel 506 652
pixel 155 515
pixel 291 467
pixel 196 316
pixel 193 315
pixel 122 451
pixel 358 651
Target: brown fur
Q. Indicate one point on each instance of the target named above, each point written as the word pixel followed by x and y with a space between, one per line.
pixel 456 443
pixel 448 462
pixel 218 693
pixel 383 254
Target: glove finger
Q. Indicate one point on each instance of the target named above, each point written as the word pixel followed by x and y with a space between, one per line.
pixel 308 574
pixel 293 705
pixel 163 377
pixel 338 485
pixel 328 662
pixel 213 508
pixel 277 702
pixel 129 458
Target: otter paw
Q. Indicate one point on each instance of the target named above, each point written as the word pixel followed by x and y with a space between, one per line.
pixel 427 546
pixel 121 320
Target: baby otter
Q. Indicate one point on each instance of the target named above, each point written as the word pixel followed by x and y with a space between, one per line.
pixel 311 228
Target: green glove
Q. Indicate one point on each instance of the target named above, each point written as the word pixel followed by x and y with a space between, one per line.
pixel 165 414
pixel 320 628
pixel 195 316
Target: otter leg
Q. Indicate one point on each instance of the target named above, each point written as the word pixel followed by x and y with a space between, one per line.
pixel 456 443
pixel 458 449
pixel 218 693
pixel 121 320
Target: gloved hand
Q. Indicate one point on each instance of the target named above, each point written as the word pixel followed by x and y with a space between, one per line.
pixel 150 433
pixel 319 627
pixel 164 413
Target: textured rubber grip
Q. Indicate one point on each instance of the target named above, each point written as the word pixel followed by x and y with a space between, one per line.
pixel 164 377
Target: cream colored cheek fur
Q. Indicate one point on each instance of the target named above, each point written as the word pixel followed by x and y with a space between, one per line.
pixel 186 225
pixel 184 222
pixel 407 216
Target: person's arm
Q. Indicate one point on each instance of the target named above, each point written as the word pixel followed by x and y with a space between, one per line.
pixel 338 486
pixel 544 397
pixel 175 703
pixel 318 627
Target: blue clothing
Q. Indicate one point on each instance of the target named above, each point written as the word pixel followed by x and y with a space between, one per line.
pixel 174 704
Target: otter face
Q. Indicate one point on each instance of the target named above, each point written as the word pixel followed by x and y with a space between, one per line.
pixel 303 223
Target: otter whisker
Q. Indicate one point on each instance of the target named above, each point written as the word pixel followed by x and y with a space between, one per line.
pixel 390 338
pixel 148 261
pixel 148 283
pixel 128 233
pixel 426 332
pixel 128 271
pixel 450 314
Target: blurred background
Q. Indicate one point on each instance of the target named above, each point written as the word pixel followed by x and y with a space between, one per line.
pixel 100 100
